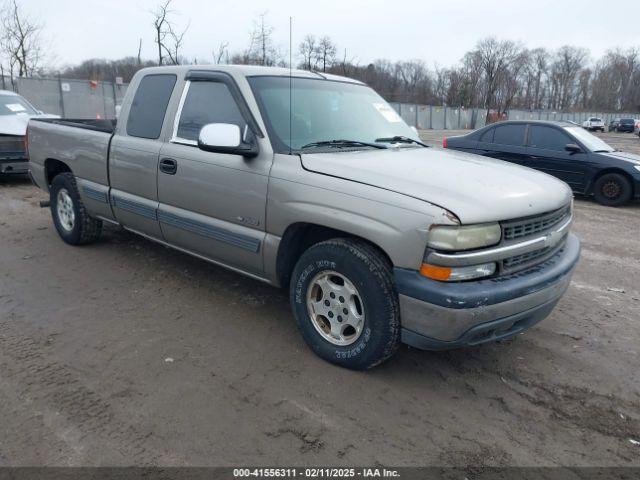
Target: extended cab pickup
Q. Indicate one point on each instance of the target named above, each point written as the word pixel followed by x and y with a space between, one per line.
pixel 379 238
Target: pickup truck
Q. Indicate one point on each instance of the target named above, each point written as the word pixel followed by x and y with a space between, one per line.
pixel 593 124
pixel 312 182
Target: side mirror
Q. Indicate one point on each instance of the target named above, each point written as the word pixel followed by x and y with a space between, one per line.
pixel 572 148
pixel 225 138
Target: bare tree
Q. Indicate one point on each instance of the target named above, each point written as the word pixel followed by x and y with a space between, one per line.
pixel 20 40
pixel 308 50
pixel 139 57
pixel 221 53
pixel 262 41
pixel 168 39
pixel 326 52
pixel 495 58
pixel 564 70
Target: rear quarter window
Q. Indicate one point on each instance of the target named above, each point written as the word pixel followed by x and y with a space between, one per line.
pixel 487 137
pixel 149 106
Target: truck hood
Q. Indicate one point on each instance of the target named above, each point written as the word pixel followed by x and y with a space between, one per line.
pixel 17 124
pixel 476 189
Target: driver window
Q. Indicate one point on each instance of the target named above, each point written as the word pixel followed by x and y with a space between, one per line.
pixel 548 138
pixel 206 102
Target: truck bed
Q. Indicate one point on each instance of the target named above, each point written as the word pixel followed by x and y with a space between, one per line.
pixel 106 126
pixel 81 144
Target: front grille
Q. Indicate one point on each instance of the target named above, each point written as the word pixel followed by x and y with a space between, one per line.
pixel 12 145
pixel 517 260
pixel 525 227
pixel 518 230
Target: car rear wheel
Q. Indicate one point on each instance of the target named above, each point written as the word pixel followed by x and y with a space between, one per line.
pixel 612 190
pixel 345 303
pixel 73 223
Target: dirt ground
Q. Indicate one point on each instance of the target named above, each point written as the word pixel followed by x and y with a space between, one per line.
pixel 126 352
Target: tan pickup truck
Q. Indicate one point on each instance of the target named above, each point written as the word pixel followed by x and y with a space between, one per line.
pixel 313 183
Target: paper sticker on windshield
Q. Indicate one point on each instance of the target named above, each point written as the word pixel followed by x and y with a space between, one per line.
pixel 15 107
pixel 387 112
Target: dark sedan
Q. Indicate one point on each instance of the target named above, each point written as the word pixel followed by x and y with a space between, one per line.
pixel 622 125
pixel 561 149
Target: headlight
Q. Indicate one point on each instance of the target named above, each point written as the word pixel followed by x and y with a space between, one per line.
pixel 465 237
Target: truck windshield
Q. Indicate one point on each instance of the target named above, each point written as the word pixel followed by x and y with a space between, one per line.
pixel 15 105
pixel 325 111
pixel 592 142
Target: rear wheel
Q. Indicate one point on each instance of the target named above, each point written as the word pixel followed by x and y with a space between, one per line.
pixel 73 223
pixel 345 303
pixel 612 190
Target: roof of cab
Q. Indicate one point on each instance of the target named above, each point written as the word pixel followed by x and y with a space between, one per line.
pixel 249 71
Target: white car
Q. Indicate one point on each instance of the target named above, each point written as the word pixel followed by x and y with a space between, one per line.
pixel 15 112
pixel 593 124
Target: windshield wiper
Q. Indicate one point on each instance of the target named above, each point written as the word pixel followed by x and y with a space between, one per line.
pixel 342 143
pixel 401 139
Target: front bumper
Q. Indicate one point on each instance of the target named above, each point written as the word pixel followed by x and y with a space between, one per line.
pixel 14 165
pixel 439 315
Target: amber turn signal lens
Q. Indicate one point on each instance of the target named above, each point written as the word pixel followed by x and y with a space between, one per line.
pixel 434 272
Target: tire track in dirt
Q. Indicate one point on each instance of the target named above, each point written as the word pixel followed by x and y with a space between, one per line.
pixel 77 413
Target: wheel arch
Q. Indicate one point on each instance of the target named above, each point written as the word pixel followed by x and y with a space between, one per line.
pixel 53 167
pixel 298 237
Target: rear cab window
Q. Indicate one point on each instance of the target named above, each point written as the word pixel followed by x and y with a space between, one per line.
pixel 149 105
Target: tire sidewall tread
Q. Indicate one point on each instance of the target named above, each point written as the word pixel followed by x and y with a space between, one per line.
pixel 86 229
pixel 372 275
pixel 624 198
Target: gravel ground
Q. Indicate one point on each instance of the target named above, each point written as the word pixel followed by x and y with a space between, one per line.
pixel 126 352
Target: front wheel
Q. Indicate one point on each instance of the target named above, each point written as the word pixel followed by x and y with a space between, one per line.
pixel 73 223
pixel 612 190
pixel 345 303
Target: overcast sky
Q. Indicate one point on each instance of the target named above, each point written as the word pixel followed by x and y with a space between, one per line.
pixel 438 32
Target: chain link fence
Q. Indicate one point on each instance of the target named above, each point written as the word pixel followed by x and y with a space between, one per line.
pixel 430 117
pixel 69 98
pixel 72 98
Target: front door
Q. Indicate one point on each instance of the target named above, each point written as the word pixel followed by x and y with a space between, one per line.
pixel 212 204
pixel 546 152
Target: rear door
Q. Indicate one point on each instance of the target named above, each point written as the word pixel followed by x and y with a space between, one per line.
pixel 133 157
pixel 546 151
pixel 213 204
pixel 505 142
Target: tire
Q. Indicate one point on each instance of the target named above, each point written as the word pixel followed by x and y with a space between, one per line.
pixel 369 332
pixel 612 190
pixel 73 223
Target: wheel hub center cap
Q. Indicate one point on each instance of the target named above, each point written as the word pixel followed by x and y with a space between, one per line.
pixel 335 308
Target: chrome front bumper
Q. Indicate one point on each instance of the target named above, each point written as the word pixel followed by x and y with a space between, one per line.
pixel 438 315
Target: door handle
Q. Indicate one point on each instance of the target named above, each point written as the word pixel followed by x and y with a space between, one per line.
pixel 168 166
